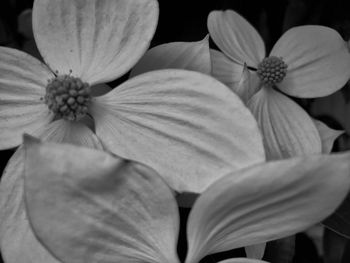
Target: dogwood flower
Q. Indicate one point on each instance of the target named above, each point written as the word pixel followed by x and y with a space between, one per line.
pixel 87 206
pixel 183 124
pixel 165 118
pixel 306 62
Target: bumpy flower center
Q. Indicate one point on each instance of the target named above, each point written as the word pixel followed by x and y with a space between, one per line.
pixel 272 70
pixel 68 97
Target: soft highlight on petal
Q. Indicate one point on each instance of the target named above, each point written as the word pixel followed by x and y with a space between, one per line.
pixel 187 126
pixel 178 55
pixel 98 40
pixel 266 202
pixel 327 135
pixel 287 129
pixel 22 89
pixel 93 207
pixel 318 61
pixel 236 37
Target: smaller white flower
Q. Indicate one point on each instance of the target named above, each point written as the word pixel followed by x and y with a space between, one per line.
pixel 306 62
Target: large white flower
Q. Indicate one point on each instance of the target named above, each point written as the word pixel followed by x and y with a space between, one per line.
pixel 306 62
pixel 166 118
pixel 187 126
pixel 87 206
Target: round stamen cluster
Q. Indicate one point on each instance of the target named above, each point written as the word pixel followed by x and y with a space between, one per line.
pixel 272 70
pixel 68 97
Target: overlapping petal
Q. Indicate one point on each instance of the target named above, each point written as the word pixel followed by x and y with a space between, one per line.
pixel 238 78
pixel 287 129
pixel 188 126
pixel 224 69
pixel 98 40
pixel 318 61
pixel 181 55
pixel 17 242
pixel 266 202
pixel 327 135
pixel 22 87
pixel 334 106
pixel 91 207
pixel 236 37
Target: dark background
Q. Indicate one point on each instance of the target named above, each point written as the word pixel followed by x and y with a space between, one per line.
pixel 182 20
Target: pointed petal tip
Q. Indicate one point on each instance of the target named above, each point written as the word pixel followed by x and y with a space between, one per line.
pixel 206 38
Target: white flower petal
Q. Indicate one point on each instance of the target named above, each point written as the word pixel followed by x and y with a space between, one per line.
pixel 327 135
pixel 287 129
pixel 266 202
pixel 318 61
pixel 255 251
pixel 93 207
pixel 187 126
pixel 179 55
pixel 224 69
pixel 248 85
pixel 22 89
pixel 238 78
pixel 17 242
pixel 98 40
pixel 236 37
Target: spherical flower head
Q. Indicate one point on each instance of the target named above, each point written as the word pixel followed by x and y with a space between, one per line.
pixel 68 97
pixel 272 70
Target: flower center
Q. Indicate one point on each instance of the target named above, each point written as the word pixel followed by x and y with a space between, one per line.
pixel 272 70
pixel 68 97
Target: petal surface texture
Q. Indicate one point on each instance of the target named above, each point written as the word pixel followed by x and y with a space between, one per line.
pixel 69 132
pixel 287 129
pixel 93 207
pixel 181 55
pixel 236 37
pixel 238 78
pixel 224 69
pixel 22 89
pixel 17 241
pixel 187 126
pixel 328 135
pixel 98 40
pixel 266 202
pixel 318 61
